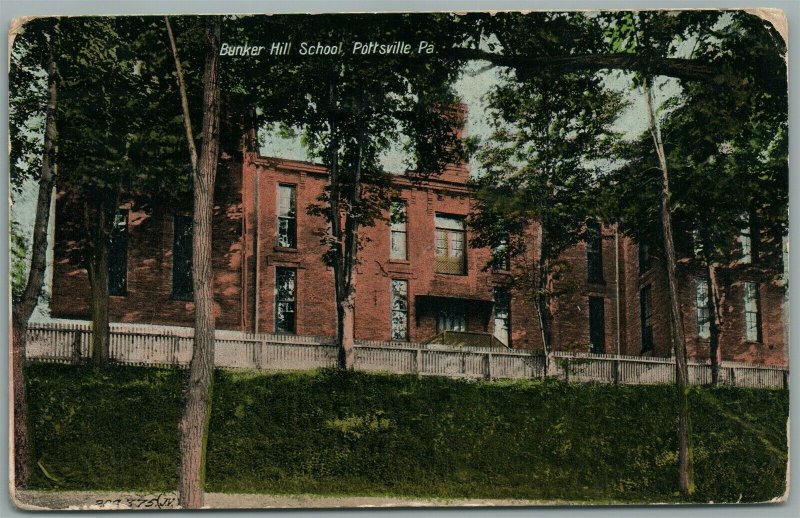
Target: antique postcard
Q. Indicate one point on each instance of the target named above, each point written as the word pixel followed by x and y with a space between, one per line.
pixel 406 259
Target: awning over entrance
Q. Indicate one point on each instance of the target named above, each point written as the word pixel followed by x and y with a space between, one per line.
pixel 466 339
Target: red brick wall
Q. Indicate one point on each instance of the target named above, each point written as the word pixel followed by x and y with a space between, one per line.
pixel 149 280
pixel 245 222
pixel 733 345
pixel 315 303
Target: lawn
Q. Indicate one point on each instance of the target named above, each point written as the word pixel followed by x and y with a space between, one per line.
pixel 329 432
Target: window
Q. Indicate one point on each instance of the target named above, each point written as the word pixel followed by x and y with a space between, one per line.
pixel 287 216
pixel 752 316
pixel 500 254
pixel 697 244
pixel 182 257
pixel 644 257
pixel 450 242
pixel 118 255
pixel 597 325
pixel 399 324
pixel 703 312
pixel 594 253
pixel 285 300
pixel 398 231
pixel 745 240
pixel 502 315
pixel 646 317
pixel 452 316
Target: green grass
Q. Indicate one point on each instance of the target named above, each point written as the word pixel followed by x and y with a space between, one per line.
pixel 329 432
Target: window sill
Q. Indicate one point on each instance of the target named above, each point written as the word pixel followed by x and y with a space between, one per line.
pixel 399 261
pixel 285 249
pixel 451 274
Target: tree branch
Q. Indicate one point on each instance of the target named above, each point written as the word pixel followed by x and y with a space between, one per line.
pixel 680 68
pixel 187 121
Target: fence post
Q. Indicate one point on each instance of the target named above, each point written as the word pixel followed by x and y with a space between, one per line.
pixel 785 378
pixel 417 360
pixel 488 366
pixel 260 358
pixel 733 376
pixel 547 365
pixel 76 348
pixel 615 370
pixel 176 344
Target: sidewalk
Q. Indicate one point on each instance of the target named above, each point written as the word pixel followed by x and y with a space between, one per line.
pixel 85 500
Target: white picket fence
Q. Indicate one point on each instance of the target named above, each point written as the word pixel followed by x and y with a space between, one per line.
pixel 70 342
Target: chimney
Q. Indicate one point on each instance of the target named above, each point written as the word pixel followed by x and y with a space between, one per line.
pixel 457 172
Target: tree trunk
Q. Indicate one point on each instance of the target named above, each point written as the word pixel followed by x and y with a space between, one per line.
pixel 347 336
pixel 543 309
pixel 676 319
pixel 351 229
pixel 715 322
pixel 197 404
pixel 21 444
pixel 98 284
pixel 343 246
pixel 23 308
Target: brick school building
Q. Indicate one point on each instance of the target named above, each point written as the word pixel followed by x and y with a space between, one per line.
pixel 417 275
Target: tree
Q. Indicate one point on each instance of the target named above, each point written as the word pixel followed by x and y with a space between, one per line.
pixel 711 36
pixel 648 43
pixel 197 404
pixel 115 145
pixel 350 109
pixel 541 171
pixel 35 51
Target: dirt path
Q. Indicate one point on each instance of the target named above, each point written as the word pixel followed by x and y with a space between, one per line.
pixel 80 500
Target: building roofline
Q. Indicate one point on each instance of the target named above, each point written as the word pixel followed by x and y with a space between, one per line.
pixel 303 166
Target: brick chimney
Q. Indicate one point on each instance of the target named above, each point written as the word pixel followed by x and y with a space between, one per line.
pixel 459 172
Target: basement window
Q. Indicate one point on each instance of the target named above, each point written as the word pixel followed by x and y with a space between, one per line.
pixel 451 316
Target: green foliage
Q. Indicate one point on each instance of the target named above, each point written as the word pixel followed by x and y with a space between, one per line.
pixel 19 261
pixel 354 433
pixel 27 99
pixel 725 141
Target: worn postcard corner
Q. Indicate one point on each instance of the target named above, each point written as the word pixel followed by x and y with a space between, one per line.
pixel 399 260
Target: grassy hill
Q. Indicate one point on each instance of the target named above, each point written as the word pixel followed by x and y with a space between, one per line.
pixel 353 433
